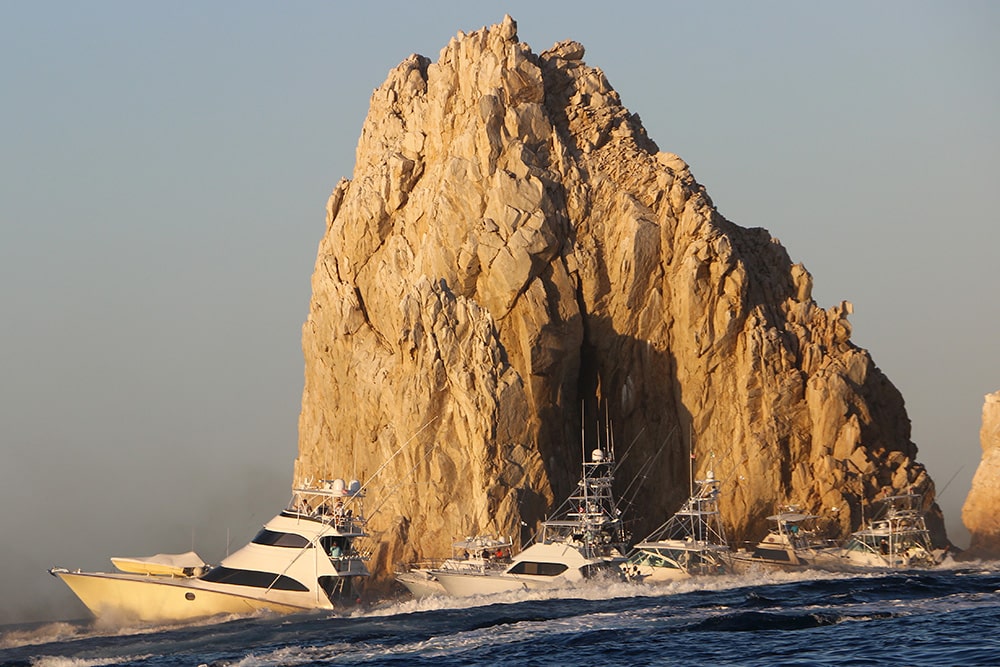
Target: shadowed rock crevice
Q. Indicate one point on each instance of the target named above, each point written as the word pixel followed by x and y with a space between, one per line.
pixel 513 258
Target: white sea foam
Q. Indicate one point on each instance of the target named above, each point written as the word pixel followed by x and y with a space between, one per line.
pixel 60 661
pixel 104 627
pixel 42 634
pixel 977 566
pixel 602 590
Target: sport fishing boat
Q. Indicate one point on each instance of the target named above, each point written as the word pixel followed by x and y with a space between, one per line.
pixel 308 557
pixel 897 538
pixel 585 538
pixel 475 554
pixel 691 542
pixel 791 544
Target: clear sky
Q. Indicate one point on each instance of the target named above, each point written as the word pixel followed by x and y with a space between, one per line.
pixel 165 168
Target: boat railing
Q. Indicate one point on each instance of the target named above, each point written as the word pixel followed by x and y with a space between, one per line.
pixel 480 565
pixel 425 564
pixel 335 503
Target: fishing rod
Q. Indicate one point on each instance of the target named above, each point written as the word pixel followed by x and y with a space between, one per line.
pixel 937 496
pixel 629 450
pixel 643 474
pixel 644 470
pixel 394 454
pixel 317 539
pixel 408 475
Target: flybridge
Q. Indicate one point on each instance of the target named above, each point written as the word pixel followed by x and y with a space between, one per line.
pixel 334 502
pixel 590 514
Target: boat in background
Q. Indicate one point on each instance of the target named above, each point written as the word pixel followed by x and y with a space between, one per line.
pixel 584 539
pixel 475 554
pixel 308 557
pixel 691 542
pixel 793 543
pixel 897 538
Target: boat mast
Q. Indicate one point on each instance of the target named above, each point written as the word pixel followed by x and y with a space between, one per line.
pixel 691 463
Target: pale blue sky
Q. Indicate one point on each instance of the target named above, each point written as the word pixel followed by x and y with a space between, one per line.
pixel 165 169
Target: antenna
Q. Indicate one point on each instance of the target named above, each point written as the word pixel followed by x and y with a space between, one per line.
pixel 691 464
pixel 607 427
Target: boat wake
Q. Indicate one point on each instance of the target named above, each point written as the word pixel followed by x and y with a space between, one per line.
pixel 69 631
pixel 62 661
pixel 753 619
pixel 596 590
pixel 41 634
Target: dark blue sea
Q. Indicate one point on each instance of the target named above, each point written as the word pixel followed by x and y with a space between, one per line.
pixel 940 617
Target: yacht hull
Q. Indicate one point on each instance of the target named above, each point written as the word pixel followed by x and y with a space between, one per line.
pixel 163 599
pixel 792 562
pixel 658 575
pixel 421 584
pixel 465 585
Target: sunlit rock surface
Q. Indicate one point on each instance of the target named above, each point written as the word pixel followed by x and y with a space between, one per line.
pixel 981 512
pixel 513 249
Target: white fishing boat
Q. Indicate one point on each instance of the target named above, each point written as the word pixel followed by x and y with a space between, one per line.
pixel 308 557
pixel 691 542
pixel 897 538
pixel 793 543
pixel 585 538
pixel 475 554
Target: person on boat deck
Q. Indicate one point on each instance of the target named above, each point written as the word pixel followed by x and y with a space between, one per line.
pixel 338 512
pixel 883 546
pixel 335 551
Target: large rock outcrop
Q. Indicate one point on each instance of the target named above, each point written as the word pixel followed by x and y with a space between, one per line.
pixel 514 257
pixel 979 514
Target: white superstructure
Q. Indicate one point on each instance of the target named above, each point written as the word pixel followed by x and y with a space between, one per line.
pixel 308 557
pixel 897 538
pixel 473 554
pixel 585 538
pixel 691 542
pixel 791 544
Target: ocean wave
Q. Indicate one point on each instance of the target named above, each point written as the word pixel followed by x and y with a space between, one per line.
pixel 62 661
pixel 42 634
pixel 757 621
pixel 752 622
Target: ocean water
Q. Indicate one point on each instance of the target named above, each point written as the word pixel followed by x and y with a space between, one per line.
pixel 948 616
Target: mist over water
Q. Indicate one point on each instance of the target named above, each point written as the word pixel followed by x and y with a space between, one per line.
pixel 192 513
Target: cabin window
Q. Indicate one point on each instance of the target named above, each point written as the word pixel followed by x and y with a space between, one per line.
pixel 253 578
pixel 275 539
pixel 541 569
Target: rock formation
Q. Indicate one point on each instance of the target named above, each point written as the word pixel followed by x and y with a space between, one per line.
pixel 979 514
pixel 514 258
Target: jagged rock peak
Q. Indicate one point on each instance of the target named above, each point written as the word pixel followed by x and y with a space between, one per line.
pixel 979 514
pixel 514 257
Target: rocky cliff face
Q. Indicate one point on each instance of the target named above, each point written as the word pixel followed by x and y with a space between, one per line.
pixel 514 257
pixel 979 514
